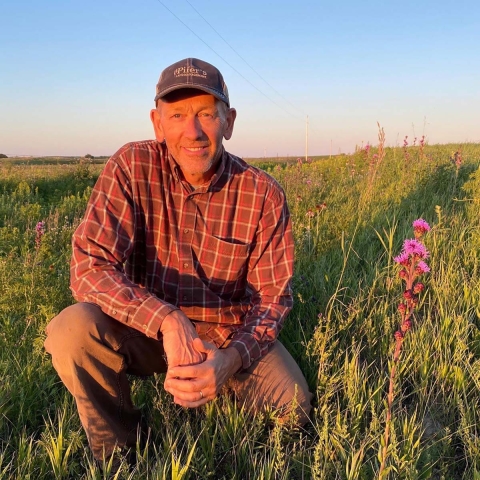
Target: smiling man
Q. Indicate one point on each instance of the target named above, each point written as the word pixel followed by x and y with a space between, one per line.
pixel 182 264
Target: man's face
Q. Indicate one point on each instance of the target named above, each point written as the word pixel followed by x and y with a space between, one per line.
pixel 193 125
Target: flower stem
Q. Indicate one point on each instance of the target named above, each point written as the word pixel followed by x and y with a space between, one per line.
pixel 396 356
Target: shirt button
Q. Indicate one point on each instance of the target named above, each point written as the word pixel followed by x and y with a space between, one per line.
pixel 114 312
pixel 144 327
pixel 186 230
pixel 185 265
pixel 185 297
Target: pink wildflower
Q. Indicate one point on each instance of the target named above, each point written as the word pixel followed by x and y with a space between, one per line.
pixel 421 267
pixel 420 227
pixel 310 213
pixel 415 248
pixel 402 259
pixel 40 231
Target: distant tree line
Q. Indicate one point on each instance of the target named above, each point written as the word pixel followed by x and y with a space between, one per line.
pixel 2 155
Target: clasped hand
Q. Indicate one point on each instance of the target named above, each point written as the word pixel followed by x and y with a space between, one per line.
pixel 197 370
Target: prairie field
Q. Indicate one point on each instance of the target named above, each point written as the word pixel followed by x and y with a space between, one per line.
pixel 351 215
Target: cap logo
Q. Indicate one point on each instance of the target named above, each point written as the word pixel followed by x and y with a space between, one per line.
pixel 189 71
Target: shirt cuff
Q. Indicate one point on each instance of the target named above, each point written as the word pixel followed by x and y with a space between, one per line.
pixel 149 316
pixel 247 347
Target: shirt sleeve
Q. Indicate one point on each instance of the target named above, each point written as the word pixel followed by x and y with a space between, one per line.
pixel 101 245
pixel 269 279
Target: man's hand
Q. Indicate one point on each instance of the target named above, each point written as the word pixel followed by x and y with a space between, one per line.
pixel 196 385
pixel 178 335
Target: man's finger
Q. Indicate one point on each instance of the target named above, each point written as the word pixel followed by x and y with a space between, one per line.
pixel 204 347
pixel 183 385
pixel 189 404
pixel 183 373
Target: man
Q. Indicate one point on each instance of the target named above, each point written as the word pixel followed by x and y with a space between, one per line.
pixel 182 264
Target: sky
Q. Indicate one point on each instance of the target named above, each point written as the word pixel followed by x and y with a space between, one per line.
pixel 79 77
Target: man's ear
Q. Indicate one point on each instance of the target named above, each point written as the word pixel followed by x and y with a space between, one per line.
pixel 157 125
pixel 231 116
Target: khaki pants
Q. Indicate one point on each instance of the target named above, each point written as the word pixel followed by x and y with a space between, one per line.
pixel 93 353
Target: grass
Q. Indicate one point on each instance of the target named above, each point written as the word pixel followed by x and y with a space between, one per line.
pixel 340 330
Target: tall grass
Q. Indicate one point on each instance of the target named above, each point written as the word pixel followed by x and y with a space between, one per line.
pixel 350 215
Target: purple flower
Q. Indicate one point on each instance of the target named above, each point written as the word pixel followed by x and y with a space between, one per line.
pixel 420 227
pixel 422 267
pixel 415 248
pixel 40 230
pixel 402 259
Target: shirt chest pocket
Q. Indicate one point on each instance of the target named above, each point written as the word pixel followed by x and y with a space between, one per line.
pixel 223 261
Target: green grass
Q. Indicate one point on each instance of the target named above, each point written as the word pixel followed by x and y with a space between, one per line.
pixel 340 331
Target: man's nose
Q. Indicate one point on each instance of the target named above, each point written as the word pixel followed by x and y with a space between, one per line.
pixel 193 128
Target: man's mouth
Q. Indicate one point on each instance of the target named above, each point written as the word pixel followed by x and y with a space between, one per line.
pixel 195 149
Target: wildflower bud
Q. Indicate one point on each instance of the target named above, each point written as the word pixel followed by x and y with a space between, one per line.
pixel 398 336
pixel 403 274
pixel 402 308
pixel 418 288
pixel 414 301
pixel 406 326
pixel 407 294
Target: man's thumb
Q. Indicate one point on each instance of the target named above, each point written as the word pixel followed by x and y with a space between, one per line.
pixel 203 347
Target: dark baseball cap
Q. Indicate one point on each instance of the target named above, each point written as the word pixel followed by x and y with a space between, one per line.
pixel 192 73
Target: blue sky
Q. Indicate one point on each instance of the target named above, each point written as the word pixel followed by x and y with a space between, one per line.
pixel 79 77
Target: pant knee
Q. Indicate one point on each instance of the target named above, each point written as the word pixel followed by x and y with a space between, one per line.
pixel 69 331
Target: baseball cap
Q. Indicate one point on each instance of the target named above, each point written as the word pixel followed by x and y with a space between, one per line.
pixel 192 73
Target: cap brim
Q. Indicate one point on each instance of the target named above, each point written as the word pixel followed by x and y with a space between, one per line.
pixel 203 88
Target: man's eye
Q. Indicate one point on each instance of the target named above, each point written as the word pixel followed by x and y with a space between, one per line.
pixel 176 115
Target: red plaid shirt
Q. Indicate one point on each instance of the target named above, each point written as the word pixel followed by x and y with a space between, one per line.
pixel 222 253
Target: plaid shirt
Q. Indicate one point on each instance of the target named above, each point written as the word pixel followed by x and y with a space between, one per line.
pixel 222 253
